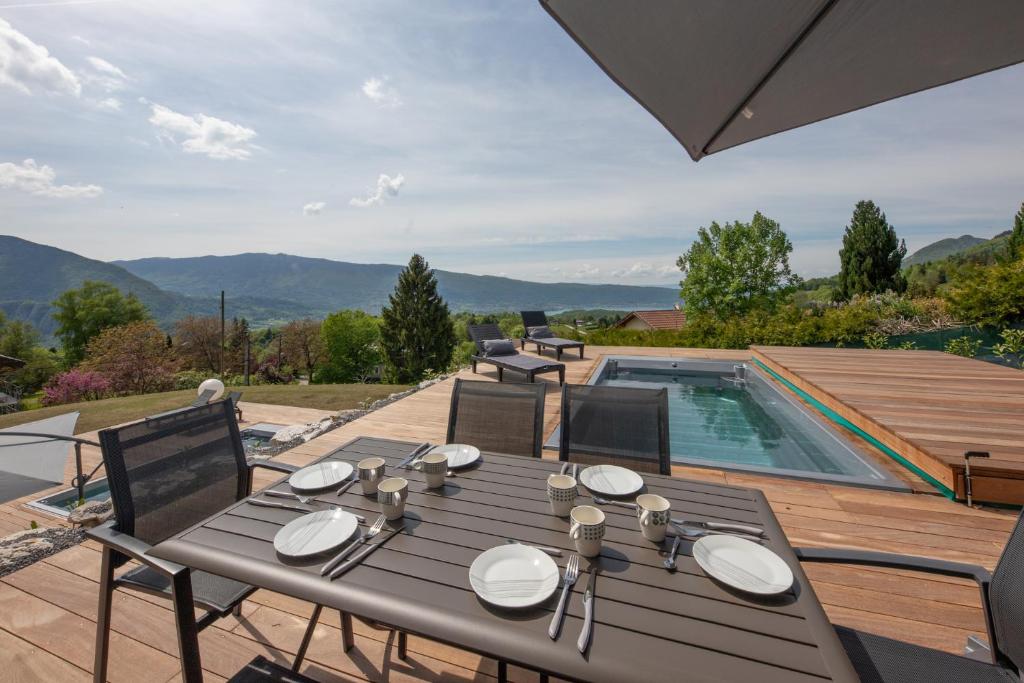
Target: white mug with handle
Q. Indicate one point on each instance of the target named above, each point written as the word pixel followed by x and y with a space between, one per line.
pixel 586 529
pixel 371 471
pixel 654 513
pixel 392 494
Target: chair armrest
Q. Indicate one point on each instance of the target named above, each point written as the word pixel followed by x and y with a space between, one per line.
pixel 893 561
pixel 271 465
pixel 132 547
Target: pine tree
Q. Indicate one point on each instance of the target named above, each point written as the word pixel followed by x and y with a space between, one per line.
pixel 1015 240
pixel 416 331
pixel 871 256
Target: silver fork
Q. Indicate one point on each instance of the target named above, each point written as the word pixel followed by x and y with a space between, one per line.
pixel 572 572
pixel 370 533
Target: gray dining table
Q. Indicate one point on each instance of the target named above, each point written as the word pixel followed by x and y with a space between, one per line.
pixel 649 624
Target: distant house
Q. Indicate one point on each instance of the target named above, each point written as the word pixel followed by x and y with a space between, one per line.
pixel 8 363
pixel 672 319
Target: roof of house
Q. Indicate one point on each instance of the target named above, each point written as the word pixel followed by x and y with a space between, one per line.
pixel 13 363
pixel 672 319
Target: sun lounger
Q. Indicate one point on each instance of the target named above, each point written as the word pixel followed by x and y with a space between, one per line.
pixel 505 357
pixel 536 331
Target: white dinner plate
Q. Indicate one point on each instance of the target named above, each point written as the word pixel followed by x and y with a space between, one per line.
pixel 459 454
pixel 514 576
pixel 321 475
pixel 743 564
pixel 315 533
pixel 611 480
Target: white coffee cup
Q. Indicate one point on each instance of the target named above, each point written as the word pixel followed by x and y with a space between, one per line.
pixel 587 529
pixel 434 466
pixel 392 494
pixel 371 471
pixel 654 513
pixel 562 493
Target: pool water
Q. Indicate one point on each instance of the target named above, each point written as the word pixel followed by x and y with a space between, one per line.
pixel 717 421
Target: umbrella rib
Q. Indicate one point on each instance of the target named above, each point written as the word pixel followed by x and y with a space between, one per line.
pixel 797 42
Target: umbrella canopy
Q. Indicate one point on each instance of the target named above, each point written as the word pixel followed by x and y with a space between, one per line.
pixel 33 457
pixel 719 74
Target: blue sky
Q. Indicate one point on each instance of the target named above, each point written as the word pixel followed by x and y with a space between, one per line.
pixel 475 133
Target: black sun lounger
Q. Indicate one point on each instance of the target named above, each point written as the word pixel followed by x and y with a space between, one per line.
pixel 536 331
pixel 506 357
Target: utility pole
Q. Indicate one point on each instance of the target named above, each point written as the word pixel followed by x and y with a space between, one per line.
pixel 222 333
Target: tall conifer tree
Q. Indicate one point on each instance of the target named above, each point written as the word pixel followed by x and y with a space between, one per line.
pixel 871 256
pixel 416 331
pixel 1015 240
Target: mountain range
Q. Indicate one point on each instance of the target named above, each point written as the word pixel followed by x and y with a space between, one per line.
pixel 269 289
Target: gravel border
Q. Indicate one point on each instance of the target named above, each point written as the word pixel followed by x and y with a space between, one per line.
pixel 23 548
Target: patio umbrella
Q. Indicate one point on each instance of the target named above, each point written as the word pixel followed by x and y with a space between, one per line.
pixel 32 463
pixel 719 74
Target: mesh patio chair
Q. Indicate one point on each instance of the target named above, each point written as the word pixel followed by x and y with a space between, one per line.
pixel 616 425
pixel 502 418
pixel 884 660
pixel 167 473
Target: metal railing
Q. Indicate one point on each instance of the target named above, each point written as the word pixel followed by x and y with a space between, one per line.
pixel 80 478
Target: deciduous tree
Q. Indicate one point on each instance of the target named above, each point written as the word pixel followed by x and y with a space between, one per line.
pixel 872 255
pixel 302 345
pixel 733 268
pixel 351 340
pixel 416 332
pixel 198 343
pixel 134 358
pixel 83 313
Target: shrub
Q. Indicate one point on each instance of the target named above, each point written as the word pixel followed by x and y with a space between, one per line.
pixel 73 386
pixel 134 358
pixel 1011 349
pixel 963 346
pixel 190 379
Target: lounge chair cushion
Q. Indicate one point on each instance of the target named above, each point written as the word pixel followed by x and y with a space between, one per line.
pixel 539 332
pixel 499 347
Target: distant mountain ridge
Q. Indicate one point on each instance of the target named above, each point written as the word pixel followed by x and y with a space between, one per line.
pixel 326 285
pixel 942 249
pixel 269 289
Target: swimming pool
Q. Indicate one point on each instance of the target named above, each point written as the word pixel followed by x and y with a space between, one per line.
pixel 730 416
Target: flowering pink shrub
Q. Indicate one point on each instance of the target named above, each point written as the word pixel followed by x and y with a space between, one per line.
pixel 75 385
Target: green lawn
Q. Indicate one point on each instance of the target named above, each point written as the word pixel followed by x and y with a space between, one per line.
pixel 112 411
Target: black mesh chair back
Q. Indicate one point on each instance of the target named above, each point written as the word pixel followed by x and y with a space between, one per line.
pixel 203 398
pixel 616 425
pixel 533 319
pixel 481 333
pixel 1006 598
pixel 169 472
pixel 501 418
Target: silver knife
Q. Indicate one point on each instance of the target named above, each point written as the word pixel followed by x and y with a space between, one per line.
pixel 362 554
pixel 412 456
pixel 554 552
pixel 280 506
pixel 722 526
pixel 588 616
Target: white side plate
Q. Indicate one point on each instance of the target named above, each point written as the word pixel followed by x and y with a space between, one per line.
pixel 459 454
pixel 315 533
pixel 611 480
pixel 513 576
pixel 743 564
pixel 320 476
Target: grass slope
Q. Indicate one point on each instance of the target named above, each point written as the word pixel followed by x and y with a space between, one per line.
pixel 113 411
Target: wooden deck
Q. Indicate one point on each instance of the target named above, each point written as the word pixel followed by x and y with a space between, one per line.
pixel 928 406
pixel 47 611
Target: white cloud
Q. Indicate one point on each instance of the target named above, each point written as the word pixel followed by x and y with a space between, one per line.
pixel 586 272
pixel 202 134
pixel 110 104
pixel 27 66
pixel 105 75
pixel 645 270
pixel 38 180
pixel 379 92
pixel 313 208
pixel 386 186
pixel 80 39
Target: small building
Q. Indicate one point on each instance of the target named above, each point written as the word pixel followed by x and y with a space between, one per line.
pixel 672 319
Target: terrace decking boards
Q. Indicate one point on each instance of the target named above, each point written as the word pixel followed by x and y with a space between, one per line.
pixel 647 620
pixel 48 610
pixel 928 406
